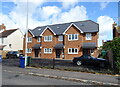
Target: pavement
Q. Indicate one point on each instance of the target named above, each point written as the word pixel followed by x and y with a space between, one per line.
pixel 96 79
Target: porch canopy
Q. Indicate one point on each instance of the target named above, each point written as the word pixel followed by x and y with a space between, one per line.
pixel 36 46
pixel 89 45
pixel 59 46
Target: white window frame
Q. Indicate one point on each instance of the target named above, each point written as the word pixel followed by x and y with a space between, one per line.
pixel 29 50
pixel 47 50
pixel 38 39
pixel 71 37
pixel 48 38
pixel 29 39
pixel 59 38
pixel 71 51
pixel 88 36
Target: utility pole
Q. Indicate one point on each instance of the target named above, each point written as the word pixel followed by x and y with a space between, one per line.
pixel 26 35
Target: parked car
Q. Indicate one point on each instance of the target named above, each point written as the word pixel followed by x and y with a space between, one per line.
pixel 13 54
pixel 90 60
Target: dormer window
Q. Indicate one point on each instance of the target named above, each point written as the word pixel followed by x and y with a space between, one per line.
pixel 88 36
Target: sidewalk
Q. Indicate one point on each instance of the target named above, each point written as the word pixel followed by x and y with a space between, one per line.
pixel 66 75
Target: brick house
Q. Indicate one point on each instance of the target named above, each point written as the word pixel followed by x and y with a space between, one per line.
pixel 63 41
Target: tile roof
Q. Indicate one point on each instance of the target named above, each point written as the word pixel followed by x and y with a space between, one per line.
pixel 7 32
pixel 85 26
pixel 89 45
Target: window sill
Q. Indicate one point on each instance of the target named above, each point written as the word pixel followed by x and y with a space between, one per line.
pixel 71 40
pixel 72 53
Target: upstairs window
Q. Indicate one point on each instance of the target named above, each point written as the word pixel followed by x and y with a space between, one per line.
pixel 38 39
pixel 29 39
pixel 72 37
pixel 47 38
pixel 60 38
pixel 88 36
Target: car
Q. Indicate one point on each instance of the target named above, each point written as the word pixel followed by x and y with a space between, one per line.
pixel 13 54
pixel 90 60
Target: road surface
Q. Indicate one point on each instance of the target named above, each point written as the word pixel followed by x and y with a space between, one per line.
pixel 10 78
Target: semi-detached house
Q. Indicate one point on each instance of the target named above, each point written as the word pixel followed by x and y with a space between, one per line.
pixel 63 41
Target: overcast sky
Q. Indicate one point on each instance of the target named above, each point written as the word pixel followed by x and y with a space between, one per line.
pixel 42 12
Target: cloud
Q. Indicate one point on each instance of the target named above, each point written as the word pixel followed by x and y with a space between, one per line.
pixel 67 4
pixel 105 28
pixel 77 13
pixel 39 15
pixel 103 5
pixel 46 12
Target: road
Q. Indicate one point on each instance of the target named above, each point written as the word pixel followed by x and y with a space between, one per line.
pixel 10 78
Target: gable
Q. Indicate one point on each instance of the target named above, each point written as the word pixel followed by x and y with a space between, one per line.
pixel 47 30
pixel 73 28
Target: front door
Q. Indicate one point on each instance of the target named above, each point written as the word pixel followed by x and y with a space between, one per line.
pixel 58 52
pixel 36 52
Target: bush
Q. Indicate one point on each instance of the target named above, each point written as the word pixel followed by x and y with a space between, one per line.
pixel 115 47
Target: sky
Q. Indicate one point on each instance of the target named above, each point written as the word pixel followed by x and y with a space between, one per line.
pixel 44 12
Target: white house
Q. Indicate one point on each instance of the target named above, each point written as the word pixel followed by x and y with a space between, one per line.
pixel 11 40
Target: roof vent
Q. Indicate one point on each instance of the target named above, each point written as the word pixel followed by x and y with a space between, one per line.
pixel 58 27
pixel 39 29
pixel 81 24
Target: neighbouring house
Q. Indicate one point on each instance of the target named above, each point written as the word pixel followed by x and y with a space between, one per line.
pixel 11 40
pixel 116 30
pixel 62 41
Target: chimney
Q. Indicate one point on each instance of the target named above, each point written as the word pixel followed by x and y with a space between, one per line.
pixel 3 27
pixel 113 25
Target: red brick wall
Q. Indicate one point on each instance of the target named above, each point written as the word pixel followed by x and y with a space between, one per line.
pixel 74 43
pixel 30 45
pixel 67 44
pixel 50 44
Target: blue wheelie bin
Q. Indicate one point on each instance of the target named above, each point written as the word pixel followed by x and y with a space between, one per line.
pixel 0 58
pixel 22 61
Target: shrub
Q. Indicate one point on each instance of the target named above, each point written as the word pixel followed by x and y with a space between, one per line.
pixel 114 45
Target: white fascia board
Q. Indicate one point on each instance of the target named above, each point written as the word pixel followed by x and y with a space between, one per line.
pixel 31 33
pixel 70 26
pixel 46 29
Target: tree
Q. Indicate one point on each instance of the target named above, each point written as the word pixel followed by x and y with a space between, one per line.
pixel 114 45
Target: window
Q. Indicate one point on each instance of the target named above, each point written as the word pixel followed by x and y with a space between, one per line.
pixel 88 36
pixel 38 39
pixel 72 50
pixel 72 36
pixel 47 50
pixel 29 39
pixel 47 38
pixel 29 50
pixel 60 38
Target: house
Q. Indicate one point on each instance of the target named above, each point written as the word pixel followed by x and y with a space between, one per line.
pixel 62 41
pixel 116 30
pixel 11 40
